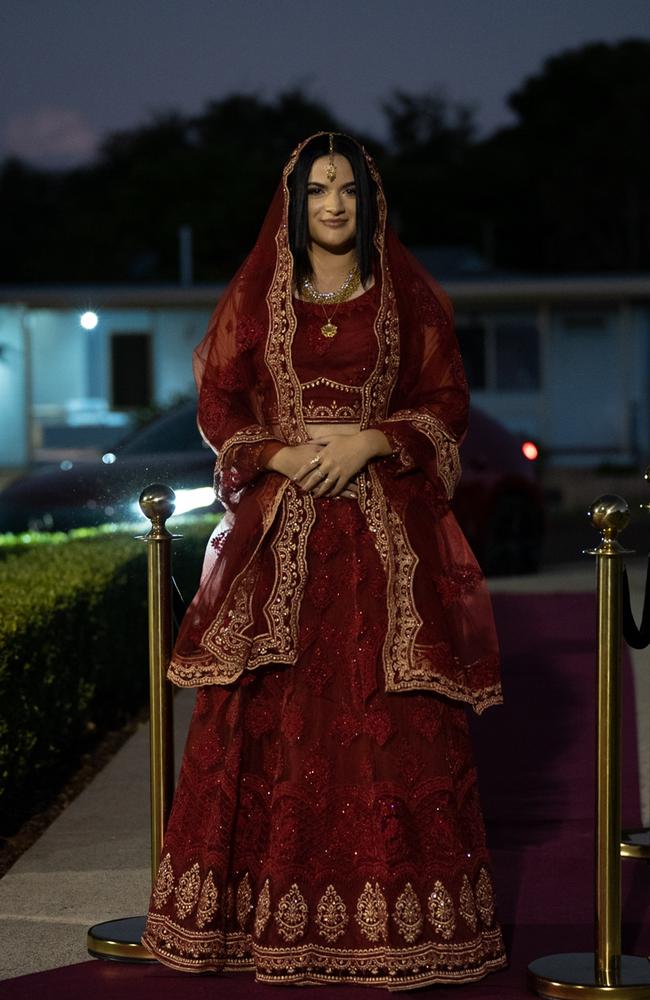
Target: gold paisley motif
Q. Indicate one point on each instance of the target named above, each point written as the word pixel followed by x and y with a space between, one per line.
pixel 263 909
pixel 164 882
pixel 244 901
pixel 208 901
pixel 291 914
pixel 408 914
pixel 331 915
pixel 187 891
pixel 441 911
pixel 485 898
pixel 372 912
pixel 467 908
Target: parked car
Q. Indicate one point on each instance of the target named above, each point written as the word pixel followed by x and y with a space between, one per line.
pixel 498 502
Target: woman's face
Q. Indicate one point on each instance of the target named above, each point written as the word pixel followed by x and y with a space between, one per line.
pixel 332 205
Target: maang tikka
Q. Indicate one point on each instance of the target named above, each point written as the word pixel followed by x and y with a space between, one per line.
pixel 330 172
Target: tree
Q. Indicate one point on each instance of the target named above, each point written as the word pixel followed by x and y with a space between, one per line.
pixel 430 140
pixel 569 185
pixel 118 218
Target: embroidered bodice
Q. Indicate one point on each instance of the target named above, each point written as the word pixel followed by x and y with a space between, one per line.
pixel 332 371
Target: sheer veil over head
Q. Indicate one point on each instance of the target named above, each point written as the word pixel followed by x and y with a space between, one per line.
pixel 413 325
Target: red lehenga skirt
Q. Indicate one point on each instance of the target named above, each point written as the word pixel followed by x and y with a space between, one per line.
pixel 322 830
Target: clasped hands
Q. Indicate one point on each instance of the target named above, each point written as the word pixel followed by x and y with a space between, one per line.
pixel 327 465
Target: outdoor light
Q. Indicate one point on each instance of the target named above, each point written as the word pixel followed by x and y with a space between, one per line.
pixel 530 450
pixel 89 320
pixel 187 500
pixel 109 458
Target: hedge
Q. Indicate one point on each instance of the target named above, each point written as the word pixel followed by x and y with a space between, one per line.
pixel 73 650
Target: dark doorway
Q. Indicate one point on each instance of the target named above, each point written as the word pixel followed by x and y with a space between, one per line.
pixel 130 370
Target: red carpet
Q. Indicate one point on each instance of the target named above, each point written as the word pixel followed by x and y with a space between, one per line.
pixel 536 756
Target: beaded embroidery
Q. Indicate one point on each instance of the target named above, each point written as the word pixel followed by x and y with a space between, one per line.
pixel 291 914
pixel 408 914
pixel 331 915
pixel 372 912
pixel 441 911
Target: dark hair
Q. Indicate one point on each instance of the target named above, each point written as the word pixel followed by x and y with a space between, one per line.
pixel 366 203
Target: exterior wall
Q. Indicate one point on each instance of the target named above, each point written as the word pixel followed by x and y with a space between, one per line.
pixel 586 389
pixel 14 400
pixel 58 347
pixel 177 333
pixel 574 373
pixel 592 402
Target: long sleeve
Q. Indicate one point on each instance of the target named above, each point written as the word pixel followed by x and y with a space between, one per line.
pixel 430 422
pixel 226 412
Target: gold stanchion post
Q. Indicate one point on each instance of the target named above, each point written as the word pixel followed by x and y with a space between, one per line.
pixel 120 939
pixel 605 972
pixel 636 843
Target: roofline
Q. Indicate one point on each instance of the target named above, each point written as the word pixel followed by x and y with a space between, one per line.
pixel 103 296
pixel 592 288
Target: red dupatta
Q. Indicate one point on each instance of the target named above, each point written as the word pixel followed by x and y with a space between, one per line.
pixel 416 394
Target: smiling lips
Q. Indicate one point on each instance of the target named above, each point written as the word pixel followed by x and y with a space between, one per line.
pixel 334 223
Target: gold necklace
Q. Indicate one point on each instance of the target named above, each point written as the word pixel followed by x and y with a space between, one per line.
pixel 348 288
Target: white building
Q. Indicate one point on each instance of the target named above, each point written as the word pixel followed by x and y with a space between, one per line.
pixel 563 360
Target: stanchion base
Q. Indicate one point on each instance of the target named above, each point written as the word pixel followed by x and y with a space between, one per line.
pixel 636 844
pixel 566 976
pixel 119 941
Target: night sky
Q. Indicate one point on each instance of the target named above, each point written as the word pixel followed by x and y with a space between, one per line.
pixel 71 70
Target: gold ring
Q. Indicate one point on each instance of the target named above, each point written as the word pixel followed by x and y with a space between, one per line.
pixel 315 460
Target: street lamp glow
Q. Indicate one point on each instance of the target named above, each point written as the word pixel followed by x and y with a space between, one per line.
pixel 89 320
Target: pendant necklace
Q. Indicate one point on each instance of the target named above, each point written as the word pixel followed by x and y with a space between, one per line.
pixel 348 288
pixel 329 329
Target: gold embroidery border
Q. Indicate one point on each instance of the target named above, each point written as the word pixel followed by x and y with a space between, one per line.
pixel 447 454
pixel 225 638
pixel 226 648
pixel 401 968
pixel 401 652
pixel 282 609
pixel 399 561
pixel 253 434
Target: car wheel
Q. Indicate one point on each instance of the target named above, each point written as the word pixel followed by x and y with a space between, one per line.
pixel 512 539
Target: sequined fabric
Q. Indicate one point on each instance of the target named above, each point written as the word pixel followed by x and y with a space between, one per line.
pixel 324 830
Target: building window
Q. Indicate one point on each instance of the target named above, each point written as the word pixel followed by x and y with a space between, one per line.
pixel 471 340
pixel 516 348
pixel 501 355
pixel 130 370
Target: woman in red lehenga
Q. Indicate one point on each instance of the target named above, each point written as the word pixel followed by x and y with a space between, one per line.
pixel 326 826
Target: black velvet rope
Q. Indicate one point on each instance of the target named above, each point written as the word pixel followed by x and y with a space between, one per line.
pixel 637 638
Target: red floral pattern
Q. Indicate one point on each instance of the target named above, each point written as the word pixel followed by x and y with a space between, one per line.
pixel 312 776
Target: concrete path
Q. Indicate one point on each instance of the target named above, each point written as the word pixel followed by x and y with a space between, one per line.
pixel 92 863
